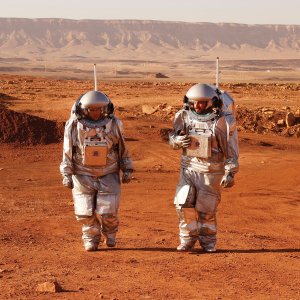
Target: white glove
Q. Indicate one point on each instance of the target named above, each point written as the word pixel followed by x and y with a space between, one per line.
pixel 127 176
pixel 67 181
pixel 227 181
pixel 183 141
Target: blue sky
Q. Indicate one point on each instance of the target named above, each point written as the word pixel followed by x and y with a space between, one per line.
pixel 217 11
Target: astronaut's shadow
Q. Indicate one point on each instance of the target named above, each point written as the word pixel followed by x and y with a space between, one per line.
pixel 201 251
pixel 139 249
pixel 196 251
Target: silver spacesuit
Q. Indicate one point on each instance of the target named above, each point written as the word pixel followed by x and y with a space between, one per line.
pixel 209 162
pixel 94 151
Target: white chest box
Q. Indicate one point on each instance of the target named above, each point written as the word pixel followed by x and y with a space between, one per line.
pixel 200 145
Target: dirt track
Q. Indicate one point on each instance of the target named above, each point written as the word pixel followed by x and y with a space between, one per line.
pixel 258 219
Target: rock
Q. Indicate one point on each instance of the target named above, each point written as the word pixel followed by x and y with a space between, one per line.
pixel 267 110
pixel 280 123
pixel 52 287
pixel 285 107
pixel 169 107
pixel 161 106
pixel 151 126
pixel 291 131
pixel 149 110
pixel 290 119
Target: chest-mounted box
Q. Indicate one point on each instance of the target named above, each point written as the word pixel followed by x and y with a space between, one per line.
pixel 200 145
pixel 95 152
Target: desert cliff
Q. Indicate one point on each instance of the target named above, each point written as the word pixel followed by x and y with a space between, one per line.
pixel 150 40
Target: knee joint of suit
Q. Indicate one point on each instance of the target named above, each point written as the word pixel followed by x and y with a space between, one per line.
pixel 87 220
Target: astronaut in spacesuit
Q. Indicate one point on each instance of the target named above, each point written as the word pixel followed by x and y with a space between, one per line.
pixel 205 130
pixel 94 151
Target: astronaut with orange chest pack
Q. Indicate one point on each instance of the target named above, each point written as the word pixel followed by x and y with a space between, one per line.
pixel 94 151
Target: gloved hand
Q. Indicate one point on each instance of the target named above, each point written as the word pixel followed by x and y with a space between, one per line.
pixel 183 141
pixel 227 181
pixel 67 181
pixel 127 176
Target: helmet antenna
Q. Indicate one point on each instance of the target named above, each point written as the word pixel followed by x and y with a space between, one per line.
pixel 95 76
pixel 217 73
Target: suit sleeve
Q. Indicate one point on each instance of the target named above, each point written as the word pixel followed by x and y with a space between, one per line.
pixel 124 157
pixel 66 166
pixel 226 133
pixel 178 126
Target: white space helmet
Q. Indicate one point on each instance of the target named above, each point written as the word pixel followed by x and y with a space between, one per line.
pixel 205 93
pixel 201 92
pixel 94 100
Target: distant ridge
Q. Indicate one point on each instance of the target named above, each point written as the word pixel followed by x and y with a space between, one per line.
pixel 134 39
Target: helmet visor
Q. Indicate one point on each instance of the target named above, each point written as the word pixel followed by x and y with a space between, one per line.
pixel 95 113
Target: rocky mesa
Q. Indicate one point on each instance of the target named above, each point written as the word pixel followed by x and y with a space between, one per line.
pixel 145 40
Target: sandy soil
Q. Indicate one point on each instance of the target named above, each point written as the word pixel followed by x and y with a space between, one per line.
pixel 258 238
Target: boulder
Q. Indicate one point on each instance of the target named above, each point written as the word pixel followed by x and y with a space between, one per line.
pixel 149 110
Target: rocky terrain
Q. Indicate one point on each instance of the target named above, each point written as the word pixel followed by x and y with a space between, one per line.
pixel 278 114
pixel 41 253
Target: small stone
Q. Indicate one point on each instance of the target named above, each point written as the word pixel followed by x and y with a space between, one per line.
pixel 280 122
pixel 161 106
pixel 290 119
pixel 52 287
pixel 151 126
pixel 268 112
pixel 264 109
pixel 291 131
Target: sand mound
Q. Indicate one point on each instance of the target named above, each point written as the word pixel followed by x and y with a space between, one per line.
pixel 26 129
